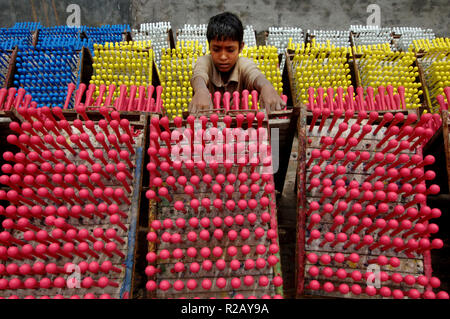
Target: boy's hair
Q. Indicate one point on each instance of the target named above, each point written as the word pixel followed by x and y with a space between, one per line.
pixel 225 26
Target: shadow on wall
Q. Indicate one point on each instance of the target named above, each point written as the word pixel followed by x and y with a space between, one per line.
pixel 262 14
pixel 65 12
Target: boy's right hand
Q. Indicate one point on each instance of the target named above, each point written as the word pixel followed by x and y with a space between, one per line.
pixel 200 101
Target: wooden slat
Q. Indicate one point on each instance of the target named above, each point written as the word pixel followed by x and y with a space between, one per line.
pixel 12 69
pixel 287 131
pixel 446 132
pixel 301 203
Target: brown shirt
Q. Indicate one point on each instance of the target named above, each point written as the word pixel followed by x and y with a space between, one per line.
pixel 241 78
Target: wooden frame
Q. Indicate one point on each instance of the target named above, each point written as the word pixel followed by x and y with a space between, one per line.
pixel 419 265
pixel 285 122
pixel 439 147
pixel 12 69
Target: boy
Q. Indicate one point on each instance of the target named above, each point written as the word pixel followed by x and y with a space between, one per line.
pixel 224 71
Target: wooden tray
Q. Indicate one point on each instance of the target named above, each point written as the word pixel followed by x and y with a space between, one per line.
pixel 162 210
pixel 126 277
pixel 419 265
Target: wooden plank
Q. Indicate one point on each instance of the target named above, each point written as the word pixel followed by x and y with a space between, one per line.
pixel 87 69
pixel 301 203
pixel 429 103
pixel 12 69
pixel 357 77
pixel 137 205
pixel 446 132
pixel 5 69
pixel 35 38
pixel 171 39
pixel 286 137
pixel 126 35
pixel 352 42
pixel 286 80
pixel 425 97
pixel 288 65
pixel 9 115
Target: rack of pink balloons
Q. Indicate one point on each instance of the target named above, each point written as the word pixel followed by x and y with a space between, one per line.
pixel 70 188
pixel 212 208
pixel 365 227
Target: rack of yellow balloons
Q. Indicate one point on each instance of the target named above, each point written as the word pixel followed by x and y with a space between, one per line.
pixel 378 66
pixel 266 58
pixel 434 58
pixel 122 63
pixel 176 72
pixel 319 65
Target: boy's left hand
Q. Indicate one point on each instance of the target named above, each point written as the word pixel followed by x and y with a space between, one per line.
pixel 270 99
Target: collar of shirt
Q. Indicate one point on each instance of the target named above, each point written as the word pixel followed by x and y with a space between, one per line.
pixel 217 79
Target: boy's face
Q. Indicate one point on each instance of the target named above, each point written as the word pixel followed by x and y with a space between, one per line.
pixel 225 53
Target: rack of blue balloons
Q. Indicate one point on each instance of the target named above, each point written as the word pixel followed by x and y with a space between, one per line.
pixel 45 74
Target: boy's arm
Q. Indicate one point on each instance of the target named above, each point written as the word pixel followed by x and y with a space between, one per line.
pixel 256 80
pixel 268 95
pixel 201 99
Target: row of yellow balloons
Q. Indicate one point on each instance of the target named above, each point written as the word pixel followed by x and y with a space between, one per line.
pixel 379 66
pixel 434 57
pixel 319 65
pixel 176 71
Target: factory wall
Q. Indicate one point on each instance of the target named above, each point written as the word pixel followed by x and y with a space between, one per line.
pixel 58 12
pixel 318 14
